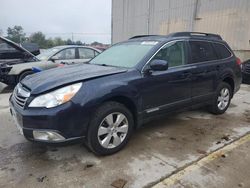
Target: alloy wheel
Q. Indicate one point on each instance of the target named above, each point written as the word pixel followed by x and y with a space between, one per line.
pixel 223 98
pixel 113 130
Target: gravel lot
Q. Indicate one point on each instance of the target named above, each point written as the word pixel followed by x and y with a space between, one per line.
pixel 156 151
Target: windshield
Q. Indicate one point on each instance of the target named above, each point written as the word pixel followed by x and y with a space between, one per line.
pixel 44 56
pixel 124 55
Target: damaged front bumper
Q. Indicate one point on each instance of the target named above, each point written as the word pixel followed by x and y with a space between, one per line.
pixel 5 77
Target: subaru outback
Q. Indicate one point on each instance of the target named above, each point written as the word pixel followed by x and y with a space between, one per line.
pixel 132 82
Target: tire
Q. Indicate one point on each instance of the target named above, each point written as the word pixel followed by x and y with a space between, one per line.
pixel 104 128
pixel 220 102
pixel 24 74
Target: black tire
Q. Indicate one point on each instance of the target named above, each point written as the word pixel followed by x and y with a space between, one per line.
pixel 214 107
pixel 97 119
pixel 23 75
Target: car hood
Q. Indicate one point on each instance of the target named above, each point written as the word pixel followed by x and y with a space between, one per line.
pixel 58 77
pixel 11 43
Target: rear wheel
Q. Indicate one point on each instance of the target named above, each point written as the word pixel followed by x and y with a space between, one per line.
pixel 110 128
pixel 222 99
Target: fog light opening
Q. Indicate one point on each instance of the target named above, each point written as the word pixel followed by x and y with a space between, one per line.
pixel 47 136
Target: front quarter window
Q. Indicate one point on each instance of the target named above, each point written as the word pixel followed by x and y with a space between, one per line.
pixel 126 54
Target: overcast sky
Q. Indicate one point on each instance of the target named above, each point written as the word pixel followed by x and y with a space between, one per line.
pixel 89 20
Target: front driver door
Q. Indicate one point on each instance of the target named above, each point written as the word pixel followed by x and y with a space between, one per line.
pixel 164 91
pixel 66 56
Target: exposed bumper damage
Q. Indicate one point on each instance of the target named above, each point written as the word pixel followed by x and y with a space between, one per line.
pixel 5 77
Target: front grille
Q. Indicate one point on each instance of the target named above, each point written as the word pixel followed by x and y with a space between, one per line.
pixel 20 95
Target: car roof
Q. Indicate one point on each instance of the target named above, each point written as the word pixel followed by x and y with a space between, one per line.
pixel 74 46
pixel 179 35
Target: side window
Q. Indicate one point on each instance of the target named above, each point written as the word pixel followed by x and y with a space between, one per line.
pixel 173 53
pixel 86 53
pixel 222 51
pixel 66 54
pixel 202 51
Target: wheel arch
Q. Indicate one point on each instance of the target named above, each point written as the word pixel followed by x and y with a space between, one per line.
pixel 229 80
pixel 128 103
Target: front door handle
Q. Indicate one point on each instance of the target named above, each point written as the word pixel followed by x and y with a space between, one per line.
pixel 186 74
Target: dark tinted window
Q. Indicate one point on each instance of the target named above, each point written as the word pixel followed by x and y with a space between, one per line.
pixel 222 51
pixel 173 53
pixel 202 51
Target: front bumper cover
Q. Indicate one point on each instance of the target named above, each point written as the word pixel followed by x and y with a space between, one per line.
pixel 66 121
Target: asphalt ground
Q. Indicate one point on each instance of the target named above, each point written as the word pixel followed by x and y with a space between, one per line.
pixel 155 156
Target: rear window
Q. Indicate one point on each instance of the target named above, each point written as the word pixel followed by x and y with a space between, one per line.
pixel 222 51
pixel 202 51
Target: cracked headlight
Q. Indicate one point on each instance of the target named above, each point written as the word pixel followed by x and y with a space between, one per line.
pixel 57 97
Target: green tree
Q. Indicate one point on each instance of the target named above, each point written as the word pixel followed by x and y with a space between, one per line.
pixel 16 34
pixel 58 41
pixel 78 42
pixel 50 43
pixel 39 38
pixel 96 43
pixel 69 42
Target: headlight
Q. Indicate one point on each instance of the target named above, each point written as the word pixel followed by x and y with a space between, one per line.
pixel 56 97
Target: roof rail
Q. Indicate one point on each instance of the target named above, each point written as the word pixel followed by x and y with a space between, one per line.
pixel 140 36
pixel 198 34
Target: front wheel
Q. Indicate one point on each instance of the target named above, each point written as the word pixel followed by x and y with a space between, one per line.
pixel 24 74
pixel 110 128
pixel 222 99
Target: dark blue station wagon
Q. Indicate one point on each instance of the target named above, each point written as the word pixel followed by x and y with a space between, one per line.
pixel 132 82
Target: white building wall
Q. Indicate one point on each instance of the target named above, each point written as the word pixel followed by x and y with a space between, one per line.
pixel 229 18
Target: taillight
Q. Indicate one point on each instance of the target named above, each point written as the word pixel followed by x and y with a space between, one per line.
pixel 238 61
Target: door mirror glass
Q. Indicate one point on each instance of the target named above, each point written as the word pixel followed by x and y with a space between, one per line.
pixel 158 65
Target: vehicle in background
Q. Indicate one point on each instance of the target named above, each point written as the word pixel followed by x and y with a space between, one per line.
pixel 125 86
pixel 101 48
pixel 11 74
pixel 11 53
pixel 246 72
pixel 31 47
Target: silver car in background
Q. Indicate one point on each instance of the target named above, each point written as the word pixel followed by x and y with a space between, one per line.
pixel 50 58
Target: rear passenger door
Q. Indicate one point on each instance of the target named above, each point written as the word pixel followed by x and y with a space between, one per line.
pixel 204 75
pixel 85 55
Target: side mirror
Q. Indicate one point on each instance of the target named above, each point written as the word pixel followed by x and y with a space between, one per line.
pixel 54 58
pixel 158 65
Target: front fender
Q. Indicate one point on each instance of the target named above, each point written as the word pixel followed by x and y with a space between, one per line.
pixel 19 68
